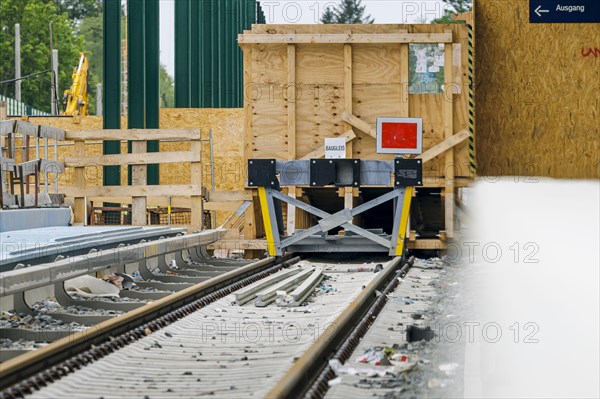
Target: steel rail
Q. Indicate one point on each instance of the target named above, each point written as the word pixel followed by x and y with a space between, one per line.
pixel 15 281
pixel 26 373
pixel 311 369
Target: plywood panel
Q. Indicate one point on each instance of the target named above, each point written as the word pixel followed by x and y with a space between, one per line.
pixel 376 64
pixel 227 126
pixel 537 101
pixel 320 64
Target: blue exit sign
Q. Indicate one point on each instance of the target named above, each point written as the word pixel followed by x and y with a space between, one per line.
pixel 564 11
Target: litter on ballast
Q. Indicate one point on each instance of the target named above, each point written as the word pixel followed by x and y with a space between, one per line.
pixel 448 368
pixel 335 381
pixel 340 369
pixel 415 333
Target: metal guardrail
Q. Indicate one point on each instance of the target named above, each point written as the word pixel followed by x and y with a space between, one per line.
pixel 20 280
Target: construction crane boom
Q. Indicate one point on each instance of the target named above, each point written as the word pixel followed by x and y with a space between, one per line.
pixel 76 98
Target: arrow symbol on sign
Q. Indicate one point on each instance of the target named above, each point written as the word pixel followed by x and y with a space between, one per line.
pixel 538 11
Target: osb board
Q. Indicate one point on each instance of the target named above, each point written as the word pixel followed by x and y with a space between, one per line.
pixel 376 91
pixel 537 94
pixel 226 125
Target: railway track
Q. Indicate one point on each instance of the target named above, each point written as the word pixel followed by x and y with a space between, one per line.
pixel 163 266
pixel 204 340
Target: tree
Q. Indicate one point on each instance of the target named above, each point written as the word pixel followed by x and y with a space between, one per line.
pixel 35 17
pixel 347 12
pixel 328 16
pixel 78 9
pixel 453 7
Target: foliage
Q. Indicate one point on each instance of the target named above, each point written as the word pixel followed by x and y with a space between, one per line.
pixel 347 12
pixel 35 17
pixel 78 9
pixel 453 7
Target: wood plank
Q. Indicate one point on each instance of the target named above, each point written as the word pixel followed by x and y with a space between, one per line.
pixel 162 201
pixel 427 244
pixel 197 206
pixel 348 91
pixel 248 139
pixel 448 132
pixel 291 101
pixel 320 152
pixel 233 195
pixel 348 197
pixel 404 80
pixel 229 206
pixel 359 124
pixel 345 38
pixel 139 177
pixel 79 211
pixel 291 125
pixel 7 127
pixel 132 159
pixel 180 190
pixel 133 134
pixel 445 145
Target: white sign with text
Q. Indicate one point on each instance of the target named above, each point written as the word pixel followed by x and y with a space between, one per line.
pixel 335 148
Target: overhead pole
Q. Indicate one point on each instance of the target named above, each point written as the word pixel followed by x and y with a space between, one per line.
pixel 152 47
pixel 18 62
pixel 112 87
pixel 182 53
pixel 55 90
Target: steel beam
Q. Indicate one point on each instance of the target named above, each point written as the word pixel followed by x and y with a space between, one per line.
pixel 151 35
pixel 182 53
pixel 112 86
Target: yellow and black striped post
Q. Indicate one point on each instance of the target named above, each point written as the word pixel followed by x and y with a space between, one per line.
pixel 404 216
pixel 472 164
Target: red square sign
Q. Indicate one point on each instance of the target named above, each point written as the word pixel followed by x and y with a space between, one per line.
pixel 399 135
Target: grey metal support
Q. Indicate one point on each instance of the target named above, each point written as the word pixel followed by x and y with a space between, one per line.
pixel 341 218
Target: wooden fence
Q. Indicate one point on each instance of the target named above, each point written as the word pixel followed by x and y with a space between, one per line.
pixel 139 194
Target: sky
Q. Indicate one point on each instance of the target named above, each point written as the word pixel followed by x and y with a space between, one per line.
pixel 307 12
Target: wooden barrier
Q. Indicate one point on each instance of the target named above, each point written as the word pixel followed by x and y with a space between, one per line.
pixel 137 194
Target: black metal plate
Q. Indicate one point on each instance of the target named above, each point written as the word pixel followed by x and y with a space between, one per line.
pixel 408 172
pixel 261 172
pixel 337 172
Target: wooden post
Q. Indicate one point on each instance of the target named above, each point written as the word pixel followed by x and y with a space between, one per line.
pixel 250 217
pixel 448 132
pixel 79 213
pixel 139 178
pixel 291 129
pixel 3 115
pixel 404 78
pixel 348 192
pixel 197 206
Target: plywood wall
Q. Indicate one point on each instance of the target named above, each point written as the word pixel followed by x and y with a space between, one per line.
pixel 377 90
pixel 227 128
pixel 537 94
